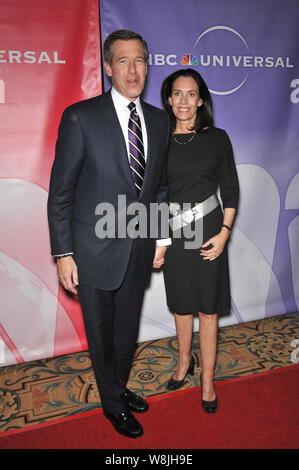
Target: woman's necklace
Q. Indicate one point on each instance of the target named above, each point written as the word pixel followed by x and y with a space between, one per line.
pixel 186 142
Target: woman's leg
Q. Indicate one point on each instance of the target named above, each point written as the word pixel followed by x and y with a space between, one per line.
pixel 184 327
pixel 208 328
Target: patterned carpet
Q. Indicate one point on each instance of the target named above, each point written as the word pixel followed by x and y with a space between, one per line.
pixel 45 390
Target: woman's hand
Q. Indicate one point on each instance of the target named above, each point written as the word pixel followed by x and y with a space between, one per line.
pixel 218 243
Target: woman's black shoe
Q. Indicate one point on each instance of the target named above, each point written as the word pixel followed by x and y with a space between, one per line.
pixel 209 406
pixel 176 384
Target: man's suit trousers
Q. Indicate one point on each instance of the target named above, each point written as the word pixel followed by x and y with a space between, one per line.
pixel 111 320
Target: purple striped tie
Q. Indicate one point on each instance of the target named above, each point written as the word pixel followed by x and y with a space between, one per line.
pixel 136 149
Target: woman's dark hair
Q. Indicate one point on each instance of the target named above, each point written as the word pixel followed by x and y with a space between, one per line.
pixel 126 35
pixel 204 114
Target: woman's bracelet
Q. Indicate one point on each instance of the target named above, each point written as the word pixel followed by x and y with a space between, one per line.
pixel 228 228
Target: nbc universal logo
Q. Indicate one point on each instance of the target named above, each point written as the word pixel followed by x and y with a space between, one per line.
pixel 27 58
pixel 235 60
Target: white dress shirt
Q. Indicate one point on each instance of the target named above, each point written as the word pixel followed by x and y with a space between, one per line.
pixel 123 113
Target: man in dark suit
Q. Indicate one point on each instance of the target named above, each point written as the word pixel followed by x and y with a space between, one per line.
pixel 94 164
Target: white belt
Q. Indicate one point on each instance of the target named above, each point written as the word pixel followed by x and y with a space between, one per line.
pixel 180 218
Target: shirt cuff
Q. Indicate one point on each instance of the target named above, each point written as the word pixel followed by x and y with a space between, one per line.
pixel 164 242
pixel 64 254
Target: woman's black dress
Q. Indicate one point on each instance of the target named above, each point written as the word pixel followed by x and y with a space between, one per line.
pixel 195 171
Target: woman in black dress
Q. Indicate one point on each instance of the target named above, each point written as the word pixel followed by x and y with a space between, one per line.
pixel 196 275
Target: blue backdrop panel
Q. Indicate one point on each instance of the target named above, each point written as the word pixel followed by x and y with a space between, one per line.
pixel 246 52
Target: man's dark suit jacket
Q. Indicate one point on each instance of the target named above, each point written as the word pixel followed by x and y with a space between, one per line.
pixel 90 167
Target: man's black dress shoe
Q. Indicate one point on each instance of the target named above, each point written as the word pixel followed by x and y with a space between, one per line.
pixel 126 424
pixel 134 402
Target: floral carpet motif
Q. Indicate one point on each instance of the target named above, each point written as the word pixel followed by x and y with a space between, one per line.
pixel 44 390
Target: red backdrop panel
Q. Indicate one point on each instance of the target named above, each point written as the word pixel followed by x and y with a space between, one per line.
pixel 49 58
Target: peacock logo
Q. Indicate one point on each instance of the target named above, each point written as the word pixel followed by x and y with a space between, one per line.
pixel 189 59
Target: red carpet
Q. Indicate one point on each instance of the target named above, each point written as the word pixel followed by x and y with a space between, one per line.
pixel 255 412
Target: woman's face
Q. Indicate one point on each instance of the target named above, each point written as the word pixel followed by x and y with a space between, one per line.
pixel 185 100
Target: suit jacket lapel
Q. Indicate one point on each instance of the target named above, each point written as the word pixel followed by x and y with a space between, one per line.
pixel 150 136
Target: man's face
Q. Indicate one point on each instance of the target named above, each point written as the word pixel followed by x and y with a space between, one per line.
pixel 128 68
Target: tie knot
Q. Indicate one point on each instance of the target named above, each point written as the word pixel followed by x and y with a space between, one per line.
pixel 132 106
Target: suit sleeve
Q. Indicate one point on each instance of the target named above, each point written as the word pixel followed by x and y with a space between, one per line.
pixel 69 157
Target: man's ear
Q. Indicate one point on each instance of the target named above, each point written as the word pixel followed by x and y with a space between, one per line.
pixel 108 69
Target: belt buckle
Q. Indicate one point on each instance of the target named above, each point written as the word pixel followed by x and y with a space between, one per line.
pixel 188 216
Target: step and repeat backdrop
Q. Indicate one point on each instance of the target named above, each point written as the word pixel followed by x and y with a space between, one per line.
pixel 51 56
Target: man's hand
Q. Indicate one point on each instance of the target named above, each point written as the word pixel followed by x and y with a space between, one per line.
pixel 159 256
pixel 68 273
